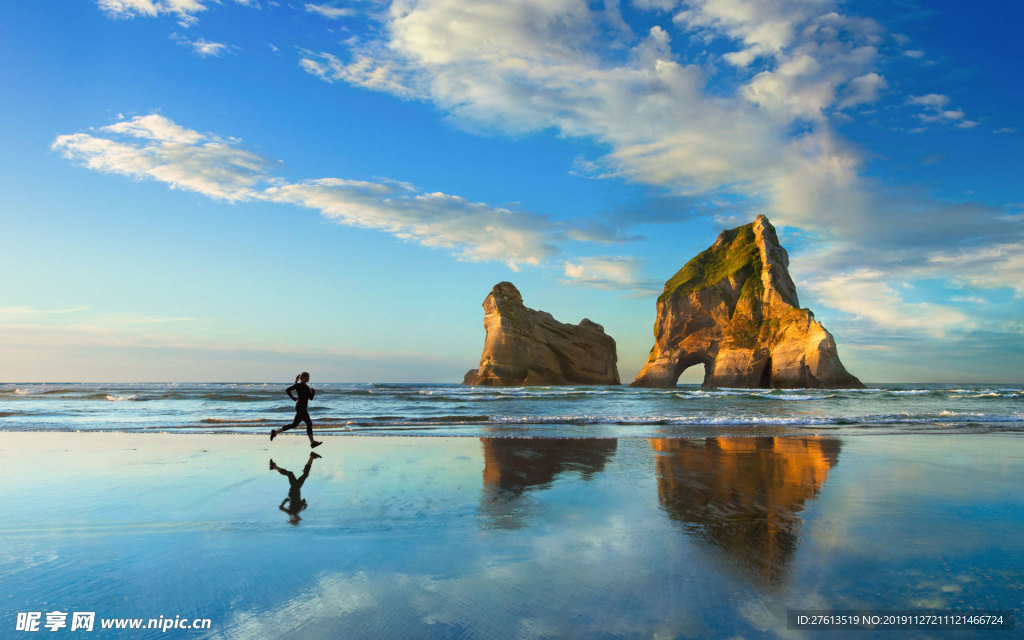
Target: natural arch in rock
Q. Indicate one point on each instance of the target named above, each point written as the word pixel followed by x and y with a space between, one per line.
pixel 734 308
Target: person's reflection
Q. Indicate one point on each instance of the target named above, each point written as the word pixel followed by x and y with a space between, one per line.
pixel 295 502
pixel 515 465
pixel 743 495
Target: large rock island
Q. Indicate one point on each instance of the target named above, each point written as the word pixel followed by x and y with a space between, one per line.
pixel 734 309
pixel 531 348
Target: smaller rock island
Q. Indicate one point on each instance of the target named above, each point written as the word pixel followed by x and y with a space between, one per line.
pixel 526 347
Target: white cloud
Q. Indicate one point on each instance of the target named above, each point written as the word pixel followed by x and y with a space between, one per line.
pixel 205 48
pixel 992 267
pixel 868 294
pixel 610 272
pixel 974 300
pixel 939 116
pixel 474 231
pixel 526 66
pixel 155 147
pixel 530 65
pixel 819 186
pixel 155 127
pixel 935 111
pixel 184 10
pixel 362 71
pixel 865 88
pixel 329 12
pixel 935 101
pixel 813 50
pixel 762 27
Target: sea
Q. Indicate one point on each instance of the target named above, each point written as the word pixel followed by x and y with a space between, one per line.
pixel 563 411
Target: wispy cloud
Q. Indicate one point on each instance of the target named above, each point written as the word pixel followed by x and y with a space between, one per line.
pixel 936 111
pixel 869 295
pixel 990 267
pixel 184 10
pixel 205 48
pixel 474 231
pixel 610 272
pixel 330 12
pixel 25 311
pixel 155 147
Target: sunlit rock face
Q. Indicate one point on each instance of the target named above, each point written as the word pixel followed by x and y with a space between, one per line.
pixel 744 495
pixel 525 347
pixel 734 309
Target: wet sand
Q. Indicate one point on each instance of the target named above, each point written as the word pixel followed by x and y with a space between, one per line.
pixel 394 537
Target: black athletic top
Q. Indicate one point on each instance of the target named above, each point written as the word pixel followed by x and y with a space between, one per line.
pixel 305 392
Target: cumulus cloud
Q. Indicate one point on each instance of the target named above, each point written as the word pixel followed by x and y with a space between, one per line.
pixel 813 51
pixel 154 147
pixel 865 88
pixel 524 66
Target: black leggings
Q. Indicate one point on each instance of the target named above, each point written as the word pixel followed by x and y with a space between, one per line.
pixel 301 415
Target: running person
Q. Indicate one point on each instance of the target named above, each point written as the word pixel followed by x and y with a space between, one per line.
pixel 305 393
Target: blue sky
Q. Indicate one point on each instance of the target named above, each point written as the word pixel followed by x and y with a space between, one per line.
pixel 240 190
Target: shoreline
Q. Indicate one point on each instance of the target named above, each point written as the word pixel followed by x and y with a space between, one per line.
pixel 1011 429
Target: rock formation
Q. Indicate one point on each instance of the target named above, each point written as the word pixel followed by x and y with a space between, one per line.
pixel 734 309
pixel 528 347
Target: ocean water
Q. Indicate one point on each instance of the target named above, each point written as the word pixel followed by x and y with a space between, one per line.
pixel 456 410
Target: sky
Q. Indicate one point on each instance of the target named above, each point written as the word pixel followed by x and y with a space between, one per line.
pixel 193 190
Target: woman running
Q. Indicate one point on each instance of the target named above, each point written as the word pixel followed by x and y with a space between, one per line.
pixel 306 393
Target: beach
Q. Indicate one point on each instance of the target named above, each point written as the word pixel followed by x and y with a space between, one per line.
pixel 466 537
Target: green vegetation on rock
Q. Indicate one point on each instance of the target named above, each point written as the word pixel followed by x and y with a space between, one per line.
pixel 738 250
pixel 745 330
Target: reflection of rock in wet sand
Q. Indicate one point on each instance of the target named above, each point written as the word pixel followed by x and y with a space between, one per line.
pixel 744 494
pixel 512 466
